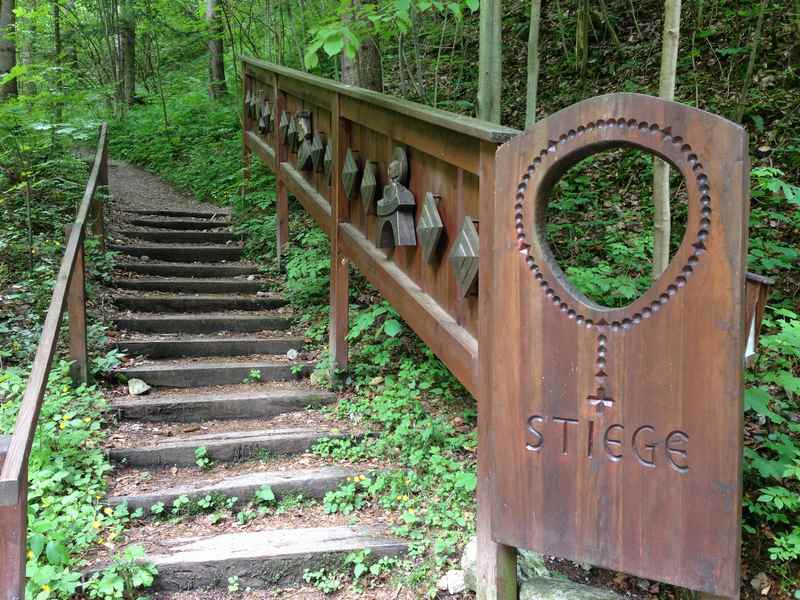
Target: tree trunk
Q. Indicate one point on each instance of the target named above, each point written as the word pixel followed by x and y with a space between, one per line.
pixel 58 50
pixel 490 81
pixel 666 90
pixel 8 48
pixel 365 69
pixel 127 37
pixel 533 63
pixel 216 64
pixel 751 63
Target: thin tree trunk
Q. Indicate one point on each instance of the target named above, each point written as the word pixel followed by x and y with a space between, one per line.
pixel 533 63
pixel 58 50
pixel 748 76
pixel 364 69
pixel 216 56
pixel 8 48
pixel 127 37
pixel 666 90
pixel 490 83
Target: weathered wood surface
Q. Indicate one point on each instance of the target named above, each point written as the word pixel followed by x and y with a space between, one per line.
pixel 616 434
pixel 443 157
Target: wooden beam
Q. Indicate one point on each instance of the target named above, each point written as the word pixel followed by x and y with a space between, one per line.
pixel 449 341
pixel 282 199
pixel 13 527
pixel 339 284
pixel 311 199
pixel 76 310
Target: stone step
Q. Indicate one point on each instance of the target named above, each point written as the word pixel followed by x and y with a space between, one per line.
pixel 178 224
pixel 203 323
pixel 192 214
pixel 181 253
pixel 265 559
pixel 187 269
pixel 226 446
pixel 208 346
pixel 189 285
pixel 218 406
pixel 181 237
pixel 157 303
pixel 197 374
pixel 310 483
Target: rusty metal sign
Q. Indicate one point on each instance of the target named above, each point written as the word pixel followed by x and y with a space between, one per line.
pixel 617 433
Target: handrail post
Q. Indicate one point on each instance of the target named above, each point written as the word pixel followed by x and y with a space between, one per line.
pixel 282 200
pixel 339 279
pixel 13 541
pixel 76 307
pixel 98 224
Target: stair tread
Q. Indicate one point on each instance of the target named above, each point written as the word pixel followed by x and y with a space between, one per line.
pixel 278 480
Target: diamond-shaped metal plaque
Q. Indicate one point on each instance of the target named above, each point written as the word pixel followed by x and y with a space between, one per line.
pixel 369 186
pixel 430 226
pixel 304 162
pixel 283 126
pixel 318 151
pixel 351 173
pixel 465 257
pixel 291 135
pixel 265 118
pixel 249 103
pixel 327 162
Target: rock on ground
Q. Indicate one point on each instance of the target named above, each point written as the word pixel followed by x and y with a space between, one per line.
pixel 529 565
pixel 543 588
pixel 137 387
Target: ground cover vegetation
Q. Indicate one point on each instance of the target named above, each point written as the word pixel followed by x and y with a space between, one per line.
pixel 73 72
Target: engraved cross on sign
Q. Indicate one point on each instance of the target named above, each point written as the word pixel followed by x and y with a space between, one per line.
pixel 600 401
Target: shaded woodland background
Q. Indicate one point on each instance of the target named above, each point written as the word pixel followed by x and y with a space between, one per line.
pixel 164 72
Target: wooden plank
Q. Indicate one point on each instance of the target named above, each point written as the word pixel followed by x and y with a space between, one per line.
pixel 317 206
pixel 76 305
pixel 282 199
pixel 620 439
pixel 13 528
pixel 469 126
pixel 14 471
pixel 261 148
pixel 496 570
pixel 312 94
pixel 339 284
pixel 450 342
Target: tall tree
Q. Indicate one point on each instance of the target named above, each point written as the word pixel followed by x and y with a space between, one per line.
pixel 533 63
pixel 127 45
pixel 364 69
pixel 666 90
pixel 751 63
pixel 8 48
pixel 216 58
pixel 490 83
pixel 57 56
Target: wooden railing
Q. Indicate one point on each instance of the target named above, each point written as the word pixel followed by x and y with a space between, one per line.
pixel 422 246
pixel 69 293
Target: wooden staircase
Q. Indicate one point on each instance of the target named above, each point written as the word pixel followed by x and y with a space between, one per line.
pixel 229 376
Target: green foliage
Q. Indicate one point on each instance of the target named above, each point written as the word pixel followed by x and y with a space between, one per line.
pixel 324 580
pixel 67 469
pixel 126 574
pixel 201 458
pixel 772 456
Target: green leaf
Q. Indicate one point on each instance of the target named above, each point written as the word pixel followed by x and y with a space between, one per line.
pixel 334 44
pixel 392 327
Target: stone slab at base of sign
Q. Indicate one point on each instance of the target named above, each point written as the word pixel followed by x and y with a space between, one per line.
pixel 535 582
pixel 546 588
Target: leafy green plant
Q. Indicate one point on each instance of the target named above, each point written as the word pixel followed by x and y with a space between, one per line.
pixel 201 458
pixel 324 580
pixel 126 574
pixel 254 376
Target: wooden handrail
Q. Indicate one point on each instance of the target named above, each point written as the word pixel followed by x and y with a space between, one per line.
pixel 68 292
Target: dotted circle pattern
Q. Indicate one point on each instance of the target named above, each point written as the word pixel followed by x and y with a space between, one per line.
pixel 546 156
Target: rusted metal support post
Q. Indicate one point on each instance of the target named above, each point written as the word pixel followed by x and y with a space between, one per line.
pixel 99 200
pixel 76 307
pixel 13 545
pixel 339 286
pixel 497 564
